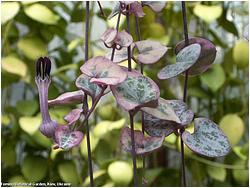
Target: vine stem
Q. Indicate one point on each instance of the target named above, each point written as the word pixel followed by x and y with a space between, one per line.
pixel 128 30
pixel 86 50
pixel 184 18
pixel 100 7
pixel 117 28
pixel 141 67
pixel 131 117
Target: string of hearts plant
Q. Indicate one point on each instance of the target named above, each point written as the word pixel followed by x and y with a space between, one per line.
pixel 134 92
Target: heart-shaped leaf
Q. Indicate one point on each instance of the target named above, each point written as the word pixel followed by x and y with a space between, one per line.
pixel 149 51
pixel 73 116
pixel 158 127
pixel 163 111
pixel 92 89
pixel 124 39
pixel 184 60
pixel 136 9
pixel 136 91
pixel 68 98
pixel 109 35
pixel 207 139
pixel 66 139
pixel 156 6
pixel 103 71
pixel 207 54
pixel 120 55
pixel 143 145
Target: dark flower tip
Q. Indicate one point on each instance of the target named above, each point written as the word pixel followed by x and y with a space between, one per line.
pixel 43 67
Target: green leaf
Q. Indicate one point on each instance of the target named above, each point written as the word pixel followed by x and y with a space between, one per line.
pixel 32 47
pixel 8 155
pixel 30 124
pixel 152 174
pixel 120 172
pixel 34 168
pixel 8 11
pixel 242 151
pixel 241 176
pixel 27 107
pixel 214 78
pixel 68 172
pixel 41 13
pixel 14 65
pixel 217 173
pixel 229 124
pixel 241 54
pixel 17 179
pixel 74 43
pixel 207 13
pixel 185 59
pixel 97 174
pixel 207 139
pixel 93 140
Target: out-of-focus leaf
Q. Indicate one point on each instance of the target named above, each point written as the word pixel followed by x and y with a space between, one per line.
pixel 14 65
pixel 30 124
pixel 217 173
pixel 214 78
pixel 241 176
pixel 78 15
pixel 197 92
pixel 229 124
pixel 242 151
pixel 41 14
pixel 152 174
pixel 8 11
pixel 241 54
pixel 207 139
pixel 156 6
pixel 68 172
pixel 120 172
pixel 246 32
pixel 208 13
pixel 32 47
pixel 27 107
pixel 156 31
pixel 34 168
pixel 93 140
pixel 97 174
pixel 17 179
pixel 41 140
pixel 8 155
pixel 74 43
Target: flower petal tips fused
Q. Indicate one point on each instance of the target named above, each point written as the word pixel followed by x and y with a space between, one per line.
pixel 42 79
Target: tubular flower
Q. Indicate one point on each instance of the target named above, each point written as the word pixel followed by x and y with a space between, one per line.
pixel 42 79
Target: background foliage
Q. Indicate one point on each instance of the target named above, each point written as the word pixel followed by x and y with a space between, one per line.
pixel 56 29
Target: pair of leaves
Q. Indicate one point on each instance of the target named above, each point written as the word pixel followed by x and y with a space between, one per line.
pixel 143 145
pixel 149 52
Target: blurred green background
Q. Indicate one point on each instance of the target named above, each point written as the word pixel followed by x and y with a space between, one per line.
pixel 56 29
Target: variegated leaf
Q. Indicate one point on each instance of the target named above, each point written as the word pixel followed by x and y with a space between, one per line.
pixel 123 39
pixel 143 145
pixel 182 111
pixel 206 58
pixel 149 51
pixel 103 71
pixel 163 111
pixel 83 83
pixel 67 139
pixel 120 55
pixel 184 60
pixel 136 91
pixel 73 116
pixel 158 127
pixel 156 6
pixel 67 98
pixel 109 36
pixel 207 139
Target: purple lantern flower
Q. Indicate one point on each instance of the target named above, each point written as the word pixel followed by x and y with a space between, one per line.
pixel 42 79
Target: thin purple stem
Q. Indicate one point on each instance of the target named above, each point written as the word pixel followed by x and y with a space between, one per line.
pixel 128 30
pixel 131 116
pixel 117 28
pixel 85 105
pixel 100 7
pixel 184 18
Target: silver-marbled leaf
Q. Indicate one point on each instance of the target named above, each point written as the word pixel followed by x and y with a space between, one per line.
pixel 83 83
pixel 143 144
pixel 207 139
pixel 185 59
pixel 156 6
pixel 136 91
pixel 73 116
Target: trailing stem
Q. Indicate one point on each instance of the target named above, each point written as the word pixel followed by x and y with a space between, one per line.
pixel 184 17
pixel 85 105
pixel 117 28
pixel 101 10
pixel 128 30
pixel 141 67
pixel 131 116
